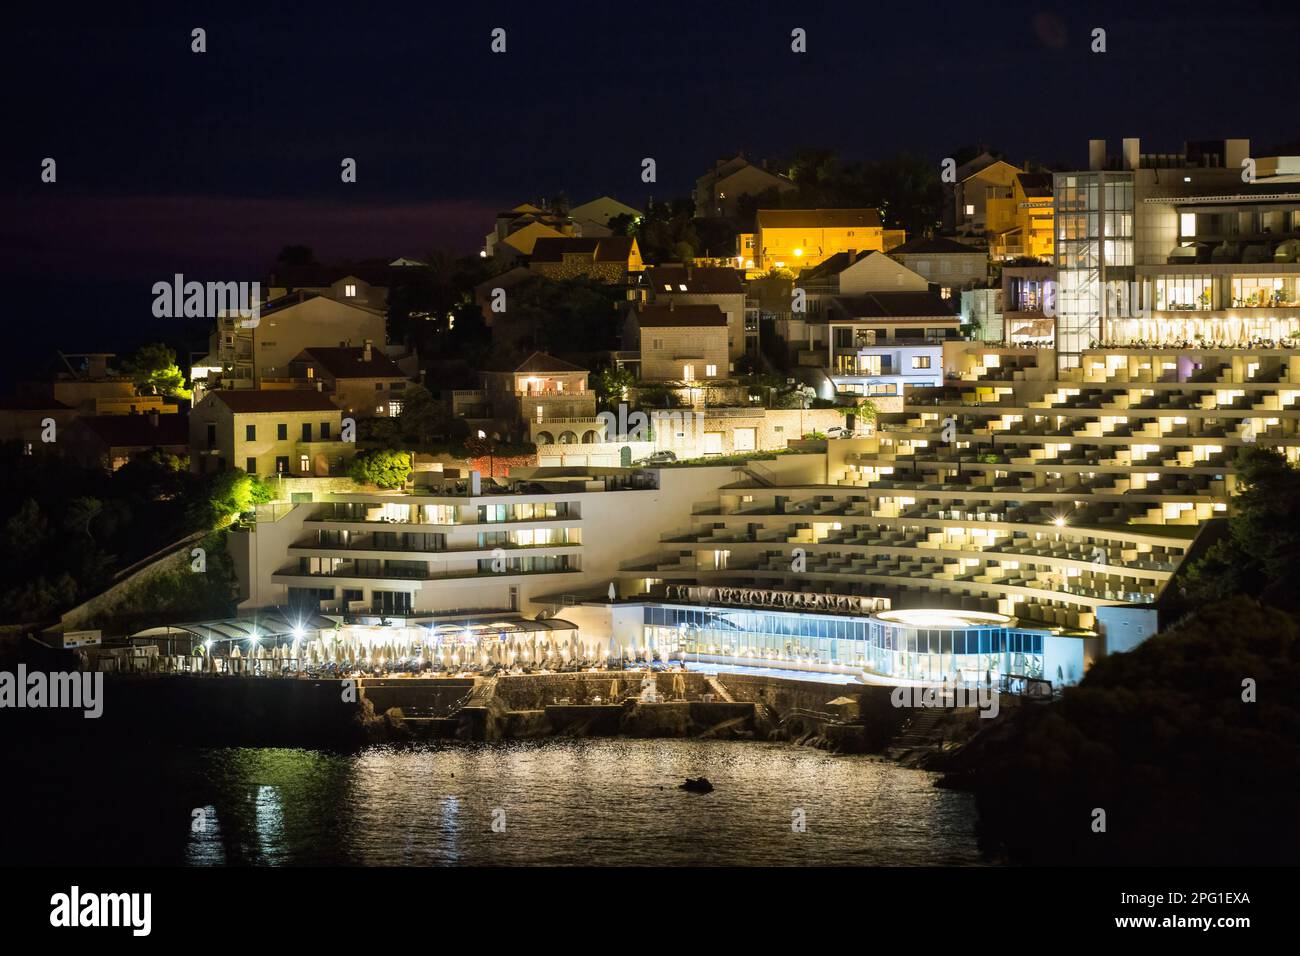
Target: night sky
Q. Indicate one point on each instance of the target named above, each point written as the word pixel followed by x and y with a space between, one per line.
pixel 206 164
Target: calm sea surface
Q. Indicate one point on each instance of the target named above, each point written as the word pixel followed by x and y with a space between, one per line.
pixel 563 802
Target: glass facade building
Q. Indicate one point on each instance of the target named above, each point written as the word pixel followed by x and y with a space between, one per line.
pixel 918 645
pixel 1094 257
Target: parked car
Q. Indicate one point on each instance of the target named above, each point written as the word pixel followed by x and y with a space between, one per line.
pixel 838 431
pixel 657 458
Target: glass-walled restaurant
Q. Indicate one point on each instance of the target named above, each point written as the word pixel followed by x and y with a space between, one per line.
pixel 918 645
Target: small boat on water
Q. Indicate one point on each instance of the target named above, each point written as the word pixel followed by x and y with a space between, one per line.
pixel 697 785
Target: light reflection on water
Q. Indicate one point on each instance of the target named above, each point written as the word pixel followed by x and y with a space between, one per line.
pixel 584 802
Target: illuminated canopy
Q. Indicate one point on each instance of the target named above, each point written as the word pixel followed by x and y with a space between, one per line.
pixel 940 617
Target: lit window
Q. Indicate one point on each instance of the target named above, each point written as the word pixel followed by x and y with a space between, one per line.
pixel 970 209
pixel 304 463
pixel 350 290
pixel 920 361
pixel 710 370
pixel 688 372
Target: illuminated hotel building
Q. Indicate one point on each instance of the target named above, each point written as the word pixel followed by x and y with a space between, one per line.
pixel 1064 500
pixel 1194 249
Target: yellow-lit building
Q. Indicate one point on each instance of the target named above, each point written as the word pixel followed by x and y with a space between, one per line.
pixel 1022 223
pixel 977 197
pixel 801 238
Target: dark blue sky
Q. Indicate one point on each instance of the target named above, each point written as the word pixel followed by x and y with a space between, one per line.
pixel 206 164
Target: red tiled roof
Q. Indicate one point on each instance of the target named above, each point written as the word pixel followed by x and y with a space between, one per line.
pixel 818 218
pixel 139 431
pixel 699 280
pixel 603 249
pixel 253 401
pixel 350 362
pixel 682 316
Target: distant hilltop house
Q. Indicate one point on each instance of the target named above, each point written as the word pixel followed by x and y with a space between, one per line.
pixel 362 380
pixel 592 218
pixel 719 191
pixel 365 283
pixel 517 231
pixel 608 259
pixel 292 432
pixel 798 238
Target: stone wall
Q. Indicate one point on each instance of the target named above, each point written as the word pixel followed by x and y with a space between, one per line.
pixel 438 697
pixel 782 697
pixel 174 559
pixel 538 691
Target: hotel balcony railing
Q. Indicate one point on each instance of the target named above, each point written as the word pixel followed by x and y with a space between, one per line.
pixel 459 549
pixel 294 572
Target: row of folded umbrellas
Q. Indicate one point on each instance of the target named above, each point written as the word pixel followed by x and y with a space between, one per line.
pixel 513 649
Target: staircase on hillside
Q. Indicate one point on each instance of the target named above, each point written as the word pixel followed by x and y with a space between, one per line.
pixel 923 731
pixel 716 688
pixel 485 688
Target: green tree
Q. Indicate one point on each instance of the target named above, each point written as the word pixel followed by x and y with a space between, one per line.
pixel 385 468
pixel 612 384
pixel 154 370
pixel 1259 553
pixel 864 410
pixel 423 416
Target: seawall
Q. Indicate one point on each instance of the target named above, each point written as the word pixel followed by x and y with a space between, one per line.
pixel 286 712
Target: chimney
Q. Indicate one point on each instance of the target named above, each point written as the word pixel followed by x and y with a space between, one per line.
pixel 365 351
pixel 1235 151
pixel 1132 153
pixel 1096 154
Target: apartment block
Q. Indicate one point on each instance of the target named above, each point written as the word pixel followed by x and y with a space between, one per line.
pixel 459 542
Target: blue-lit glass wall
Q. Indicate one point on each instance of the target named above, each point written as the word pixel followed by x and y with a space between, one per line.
pixel 897 650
